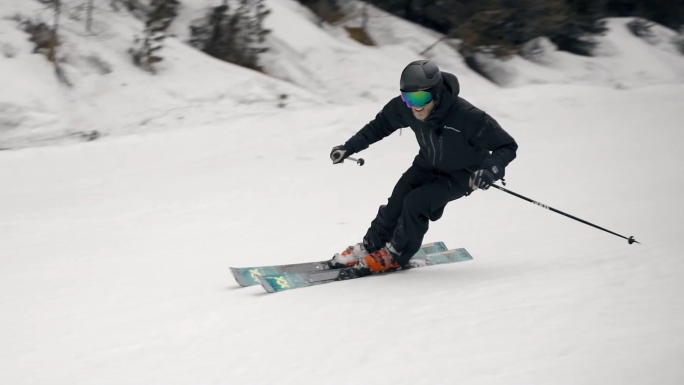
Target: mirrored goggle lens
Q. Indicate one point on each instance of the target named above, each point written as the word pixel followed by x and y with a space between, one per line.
pixel 417 98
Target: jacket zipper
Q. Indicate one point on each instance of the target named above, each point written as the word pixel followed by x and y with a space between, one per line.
pixel 422 133
pixel 434 150
pixel 441 150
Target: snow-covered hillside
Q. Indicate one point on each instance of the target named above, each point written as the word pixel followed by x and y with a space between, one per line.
pixel 114 254
pixel 311 65
pixel 622 61
pixel 111 95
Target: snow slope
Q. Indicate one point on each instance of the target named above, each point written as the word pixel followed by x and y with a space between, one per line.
pixel 114 254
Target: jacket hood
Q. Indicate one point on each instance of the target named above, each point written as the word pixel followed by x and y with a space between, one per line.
pixel 448 92
pixel 451 83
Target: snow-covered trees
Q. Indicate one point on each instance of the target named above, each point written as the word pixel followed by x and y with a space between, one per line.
pixel 234 36
pixel 158 16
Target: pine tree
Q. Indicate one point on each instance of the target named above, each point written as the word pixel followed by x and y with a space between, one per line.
pixel 503 26
pixel 236 37
pixel 669 13
pixel 159 17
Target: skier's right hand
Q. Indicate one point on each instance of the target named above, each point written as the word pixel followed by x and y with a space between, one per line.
pixel 339 154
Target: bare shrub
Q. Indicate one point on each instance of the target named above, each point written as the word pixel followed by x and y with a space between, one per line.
pixel 43 36
pixel 678 41
pixel 641 28
pixel 360 35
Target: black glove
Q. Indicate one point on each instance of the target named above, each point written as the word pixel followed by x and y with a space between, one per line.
pixel 491 171
pixel 481 179
pixel 339 154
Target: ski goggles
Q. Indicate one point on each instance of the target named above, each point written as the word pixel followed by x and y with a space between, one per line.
pixel 416 98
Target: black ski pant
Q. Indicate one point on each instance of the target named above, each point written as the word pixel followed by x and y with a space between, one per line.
pixel 418 197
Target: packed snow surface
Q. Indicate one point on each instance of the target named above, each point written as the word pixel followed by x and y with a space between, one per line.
pixel 115 254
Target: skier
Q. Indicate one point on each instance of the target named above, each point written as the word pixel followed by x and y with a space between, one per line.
pixel 462 149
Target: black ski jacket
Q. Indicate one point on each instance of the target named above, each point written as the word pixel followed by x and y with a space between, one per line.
pixel 455 139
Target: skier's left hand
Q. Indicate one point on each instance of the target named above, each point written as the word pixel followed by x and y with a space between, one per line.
pixel 481 179
pixel 486 176
pixel 491 170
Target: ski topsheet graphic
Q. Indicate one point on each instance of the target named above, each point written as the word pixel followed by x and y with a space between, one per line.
pixel 248 276
pixel 274 283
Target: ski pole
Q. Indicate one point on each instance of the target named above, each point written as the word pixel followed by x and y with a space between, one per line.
pixel 630 239
pixel 360 161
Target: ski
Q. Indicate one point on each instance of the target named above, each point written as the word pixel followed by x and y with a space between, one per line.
pixel 274 283
pixel 247 276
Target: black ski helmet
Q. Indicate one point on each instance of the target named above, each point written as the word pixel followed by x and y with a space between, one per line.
pixel 422 75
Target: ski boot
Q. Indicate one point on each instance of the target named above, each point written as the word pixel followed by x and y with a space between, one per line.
pixel 378 262
pixel 349 257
